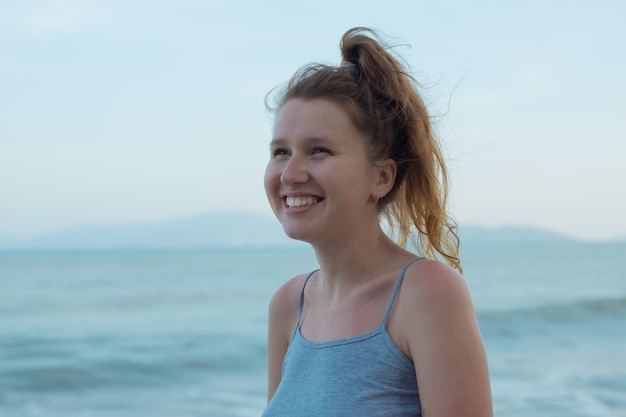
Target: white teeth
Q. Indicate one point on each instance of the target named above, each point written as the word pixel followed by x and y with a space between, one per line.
pixel 300 201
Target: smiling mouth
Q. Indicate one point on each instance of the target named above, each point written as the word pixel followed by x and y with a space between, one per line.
pixel 301 201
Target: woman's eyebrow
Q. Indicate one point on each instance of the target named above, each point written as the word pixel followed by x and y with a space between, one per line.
pixel 312 140
pixel 278 142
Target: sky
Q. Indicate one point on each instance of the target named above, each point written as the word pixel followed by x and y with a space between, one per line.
pixel 131 111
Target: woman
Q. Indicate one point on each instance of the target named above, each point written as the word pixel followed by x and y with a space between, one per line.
pixel 377 330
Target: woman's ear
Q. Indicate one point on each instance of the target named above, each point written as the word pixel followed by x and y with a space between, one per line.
pixel 386 171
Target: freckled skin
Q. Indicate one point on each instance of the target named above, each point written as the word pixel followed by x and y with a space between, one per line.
pixel 317 151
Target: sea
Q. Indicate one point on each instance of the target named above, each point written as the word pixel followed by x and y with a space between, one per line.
pixel 130 333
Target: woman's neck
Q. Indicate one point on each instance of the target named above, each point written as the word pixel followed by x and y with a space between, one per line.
pixel 349 264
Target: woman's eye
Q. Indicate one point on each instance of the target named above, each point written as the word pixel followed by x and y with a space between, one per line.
pixel 320 150
pixel 280 152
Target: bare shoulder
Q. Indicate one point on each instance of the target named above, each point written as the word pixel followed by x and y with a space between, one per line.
pixel 283 308
pixel 286 298
pixel 283 316
pixel 442 337
pixel 434 285
pixel 435 305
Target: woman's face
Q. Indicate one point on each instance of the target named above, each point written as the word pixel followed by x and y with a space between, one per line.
pixel 319 179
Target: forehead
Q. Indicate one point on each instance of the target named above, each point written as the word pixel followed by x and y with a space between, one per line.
pixel 313 118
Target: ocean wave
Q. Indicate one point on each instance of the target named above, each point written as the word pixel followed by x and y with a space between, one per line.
pixel 592 312
pixel 42 364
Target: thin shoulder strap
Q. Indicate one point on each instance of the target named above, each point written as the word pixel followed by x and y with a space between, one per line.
pixel 396 289
pixel 301 304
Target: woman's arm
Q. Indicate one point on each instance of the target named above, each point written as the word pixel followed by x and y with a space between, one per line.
pixel 283 315
pixel 444 342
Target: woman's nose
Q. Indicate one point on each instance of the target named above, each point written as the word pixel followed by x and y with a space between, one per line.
pixel 294 171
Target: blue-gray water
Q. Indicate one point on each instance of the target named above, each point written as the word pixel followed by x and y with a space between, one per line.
pixel 183 333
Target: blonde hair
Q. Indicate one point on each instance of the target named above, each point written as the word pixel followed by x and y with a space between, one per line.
pixel 385 105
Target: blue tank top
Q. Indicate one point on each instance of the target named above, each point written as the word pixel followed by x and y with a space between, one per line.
pixel 363 376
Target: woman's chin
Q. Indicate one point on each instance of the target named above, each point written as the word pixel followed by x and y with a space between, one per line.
pixel 297 234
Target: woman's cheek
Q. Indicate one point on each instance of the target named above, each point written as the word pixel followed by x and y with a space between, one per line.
pixel 271 181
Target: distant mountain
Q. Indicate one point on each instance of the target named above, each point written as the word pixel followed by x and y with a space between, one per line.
pixel 509 235
pixel 231 229
pixel 213 230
